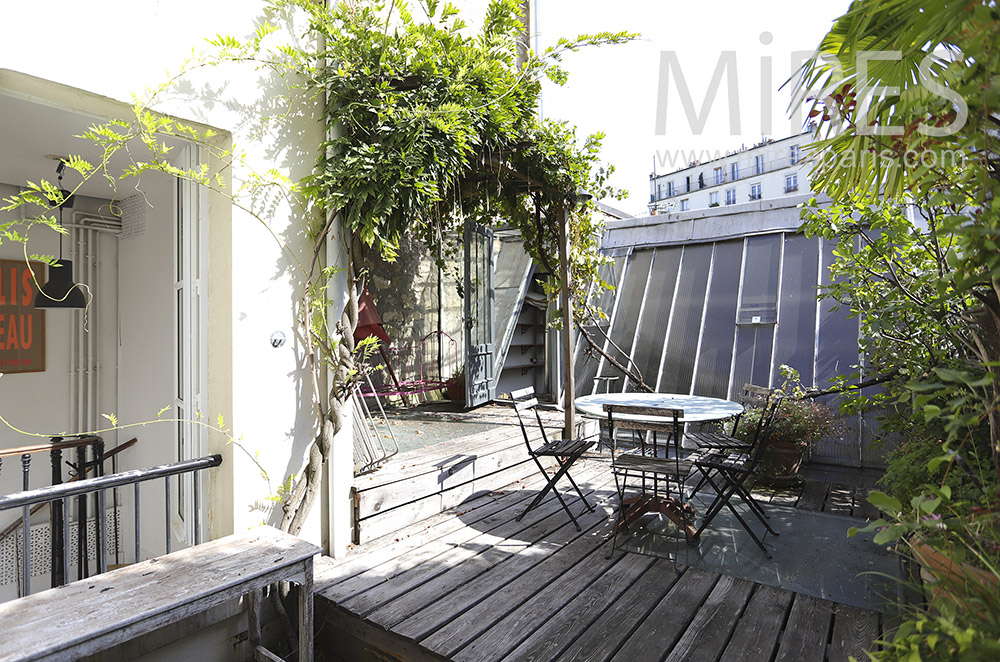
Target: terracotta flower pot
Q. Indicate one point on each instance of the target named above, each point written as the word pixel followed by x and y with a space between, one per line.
pixel 455 390
pixel 948 579
pixel 781 462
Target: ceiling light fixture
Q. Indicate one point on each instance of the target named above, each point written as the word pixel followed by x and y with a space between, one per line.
pixel 60 291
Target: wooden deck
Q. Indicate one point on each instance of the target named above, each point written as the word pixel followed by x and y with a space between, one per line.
pixel 474 584
pixel 822 496
pixel 424 482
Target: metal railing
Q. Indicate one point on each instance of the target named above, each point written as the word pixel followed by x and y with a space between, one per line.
pixel 372 446
pixel 55 448
pixel 59 496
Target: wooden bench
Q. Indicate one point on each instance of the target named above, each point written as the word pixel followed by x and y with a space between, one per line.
pixel 95 614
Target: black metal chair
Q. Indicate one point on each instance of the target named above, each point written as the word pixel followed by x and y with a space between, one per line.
pixel 728 474
pixel 753 396
pixel 653 463
pixel 565 451
pixel 718 440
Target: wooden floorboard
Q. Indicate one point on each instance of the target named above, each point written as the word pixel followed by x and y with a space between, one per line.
pixel 527 617
pixel 669 619
pixel 813 495
pixel 494 607
pixel 756 635
pixel 709 631
pixel 416 535
pixel 494 567
pixel 853 631
pixel 435 610
pixel 840 499
pixel 570 621
pixel 610 630
pixel 473 584
pixel 438 557
pixel 806 631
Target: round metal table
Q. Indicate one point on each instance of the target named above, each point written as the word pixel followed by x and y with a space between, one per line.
pixel 697 408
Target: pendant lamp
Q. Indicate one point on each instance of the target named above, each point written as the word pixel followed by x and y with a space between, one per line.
pixel 60 291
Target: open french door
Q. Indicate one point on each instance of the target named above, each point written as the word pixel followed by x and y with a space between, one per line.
pixel 480 387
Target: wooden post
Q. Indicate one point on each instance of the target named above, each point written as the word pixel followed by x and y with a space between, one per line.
pixel 569 385
pixel 524 42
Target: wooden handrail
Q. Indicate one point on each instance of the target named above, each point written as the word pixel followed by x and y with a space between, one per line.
pixel 61 443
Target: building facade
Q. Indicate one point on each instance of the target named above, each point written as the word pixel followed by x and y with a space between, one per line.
pixel 192 311
pixel 773 169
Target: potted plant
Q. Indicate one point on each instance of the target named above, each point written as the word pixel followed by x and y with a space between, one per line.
pixel 799 422
pixel 957 548
pixel 455 385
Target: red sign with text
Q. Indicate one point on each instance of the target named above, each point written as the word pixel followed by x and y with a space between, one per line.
pixel 22 326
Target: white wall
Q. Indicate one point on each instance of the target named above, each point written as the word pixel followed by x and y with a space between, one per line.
pixel 271 411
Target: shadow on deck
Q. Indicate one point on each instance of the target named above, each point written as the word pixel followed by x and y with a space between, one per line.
pixel 473 584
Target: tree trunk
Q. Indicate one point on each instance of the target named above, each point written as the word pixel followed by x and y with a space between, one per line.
pixel 303 495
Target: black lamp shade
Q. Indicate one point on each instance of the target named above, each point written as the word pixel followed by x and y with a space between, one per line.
pixel 60 291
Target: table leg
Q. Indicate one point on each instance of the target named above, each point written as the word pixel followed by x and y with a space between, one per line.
pixel 674 510
pixel 305 594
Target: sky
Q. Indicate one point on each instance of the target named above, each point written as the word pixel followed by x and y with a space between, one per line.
pixel 615 89
pixel 611 89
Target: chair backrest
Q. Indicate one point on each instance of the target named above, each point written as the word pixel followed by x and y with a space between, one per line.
pixel 765 399
pixel 764 427
pixel 752 396
pixel 671 417
pixel 524 400
pixel 665 420
pixel 755 395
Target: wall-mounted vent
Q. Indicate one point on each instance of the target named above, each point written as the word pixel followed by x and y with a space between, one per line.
pixel 133 211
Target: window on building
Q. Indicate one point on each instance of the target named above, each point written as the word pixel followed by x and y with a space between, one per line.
pixel 758 165
pixel 759 298
pixel 755 191
pixel 793 154
pixel 685 204
pixel 791 183
pixel 670 189
pixel 730 196
pixel 734 172
pixel 713 199
pixel 718 175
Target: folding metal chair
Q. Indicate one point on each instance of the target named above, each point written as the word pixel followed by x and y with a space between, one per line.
pixel 651 462
pixel 753 396
pixel 728 473
pixel 565 451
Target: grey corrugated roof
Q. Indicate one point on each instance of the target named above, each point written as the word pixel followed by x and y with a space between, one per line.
pixel 611 211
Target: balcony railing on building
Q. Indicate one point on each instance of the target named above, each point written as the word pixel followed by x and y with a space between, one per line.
pixel 712 178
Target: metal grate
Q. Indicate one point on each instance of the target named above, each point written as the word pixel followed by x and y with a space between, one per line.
pixel 41 546
pixel 133 211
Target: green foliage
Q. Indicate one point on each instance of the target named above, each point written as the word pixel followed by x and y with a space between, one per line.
pixel 799 420
pixel 959 549
pixel 917 256
pixel 802 422
pixel 428 126
pixel 907 150
pixel 431 126
pixel 909 468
